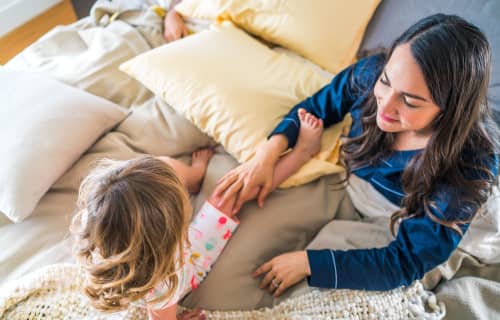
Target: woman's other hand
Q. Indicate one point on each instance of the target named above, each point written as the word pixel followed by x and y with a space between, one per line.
pixel 283 271
pixel 174 27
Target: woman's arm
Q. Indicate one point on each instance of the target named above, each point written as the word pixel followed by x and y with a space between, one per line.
pixel 334 100
pixel 421 245
pixel 309 144
pixel 330 104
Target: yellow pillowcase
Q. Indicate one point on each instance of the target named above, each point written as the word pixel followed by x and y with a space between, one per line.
pixel 327 32
pixel 236 90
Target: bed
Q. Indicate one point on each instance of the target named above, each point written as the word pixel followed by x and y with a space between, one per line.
pixel 87 54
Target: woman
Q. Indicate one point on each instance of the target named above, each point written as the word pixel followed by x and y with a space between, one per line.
pixel 422 143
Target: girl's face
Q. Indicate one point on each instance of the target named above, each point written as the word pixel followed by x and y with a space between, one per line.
pixel 404 103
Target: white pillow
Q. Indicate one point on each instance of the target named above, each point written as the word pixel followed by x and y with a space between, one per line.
pixel 46 126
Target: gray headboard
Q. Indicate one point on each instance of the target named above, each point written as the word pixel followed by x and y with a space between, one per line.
pixel 394 16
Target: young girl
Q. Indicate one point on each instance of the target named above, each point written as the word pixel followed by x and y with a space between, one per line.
pixel 422 149
pixel 133 230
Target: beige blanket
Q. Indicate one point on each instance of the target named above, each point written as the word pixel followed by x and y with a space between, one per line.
pixel 55 292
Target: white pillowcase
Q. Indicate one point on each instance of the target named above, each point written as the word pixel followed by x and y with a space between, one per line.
pixel 45 127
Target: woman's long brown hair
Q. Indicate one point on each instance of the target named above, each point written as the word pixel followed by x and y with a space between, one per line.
pixel 454 57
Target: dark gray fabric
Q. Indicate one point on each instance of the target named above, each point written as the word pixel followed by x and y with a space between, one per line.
pixel 394 16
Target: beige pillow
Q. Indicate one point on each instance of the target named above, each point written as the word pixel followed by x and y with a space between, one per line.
pixel 236 90
pixel 328 32
pixel 46 126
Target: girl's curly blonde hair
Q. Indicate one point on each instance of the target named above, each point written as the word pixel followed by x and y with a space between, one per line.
pixel 130 230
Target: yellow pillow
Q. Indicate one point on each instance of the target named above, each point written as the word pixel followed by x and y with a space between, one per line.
pixel 327 32
pixel 236 90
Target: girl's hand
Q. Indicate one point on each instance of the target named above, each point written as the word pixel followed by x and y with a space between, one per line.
pixel 283 272
pixel 174 27
pixel 191 315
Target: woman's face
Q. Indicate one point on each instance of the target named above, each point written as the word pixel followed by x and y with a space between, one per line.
pixel 404 103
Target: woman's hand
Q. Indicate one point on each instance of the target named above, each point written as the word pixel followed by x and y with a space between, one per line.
pixel 252 177
pixel 283 272
pixel 256 174
pixel 174 27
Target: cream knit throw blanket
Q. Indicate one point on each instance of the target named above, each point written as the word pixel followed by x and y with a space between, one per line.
pixel 53 292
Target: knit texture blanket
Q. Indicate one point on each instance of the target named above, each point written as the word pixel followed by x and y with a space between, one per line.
pixel 54 292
